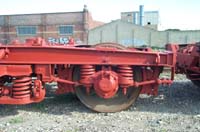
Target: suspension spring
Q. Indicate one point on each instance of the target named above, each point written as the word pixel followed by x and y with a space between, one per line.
pixel 1 91
pixel 126 72
pixel 86 71
pixel 126 77
pixel 21 87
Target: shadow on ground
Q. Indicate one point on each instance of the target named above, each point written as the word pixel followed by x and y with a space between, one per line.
pixel 181 97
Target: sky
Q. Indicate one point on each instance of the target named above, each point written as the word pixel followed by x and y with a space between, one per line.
pixel 174 14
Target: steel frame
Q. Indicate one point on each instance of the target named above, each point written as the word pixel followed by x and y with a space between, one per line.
pixel 38 58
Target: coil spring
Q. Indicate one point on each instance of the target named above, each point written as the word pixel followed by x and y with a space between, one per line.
pixel 21 87
pixel 125 72
pixel 86 71
pixel 1 91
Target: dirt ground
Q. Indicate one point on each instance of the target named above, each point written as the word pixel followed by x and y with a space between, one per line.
pixel 176 108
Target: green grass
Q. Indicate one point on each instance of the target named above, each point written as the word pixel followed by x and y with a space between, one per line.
pixel 39 106
pixel 163 130
pixel 16 120
pixel 52 102
pixel 75 130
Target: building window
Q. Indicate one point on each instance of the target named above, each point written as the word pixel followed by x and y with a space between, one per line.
pixel 66 29
pixel 148 23
pixel 26 30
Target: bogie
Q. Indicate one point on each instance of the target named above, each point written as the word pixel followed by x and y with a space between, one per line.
pixel 107 77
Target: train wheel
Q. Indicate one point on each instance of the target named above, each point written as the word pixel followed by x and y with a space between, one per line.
pixel 110 45
pixel 195 82
pixel 117 103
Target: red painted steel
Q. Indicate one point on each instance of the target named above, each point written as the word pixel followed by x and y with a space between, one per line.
pixel 65 72
pixel 71 41
pixel 188 59
pixel 15 70
pixel 31 64
pixel 21 90
pixel 106 83
pixel 21 87
pixel 38 52
pixel 125 77
pixel 72 55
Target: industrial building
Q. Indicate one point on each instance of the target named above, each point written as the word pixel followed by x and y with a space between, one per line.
pixel 142 18
pixel 139 28
pixel 54 27
pixel 129 34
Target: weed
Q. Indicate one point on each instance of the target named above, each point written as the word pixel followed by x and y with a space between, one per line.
pixel 15 120
pixel 39 106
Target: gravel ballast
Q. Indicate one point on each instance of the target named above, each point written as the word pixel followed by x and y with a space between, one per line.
pixel 176 108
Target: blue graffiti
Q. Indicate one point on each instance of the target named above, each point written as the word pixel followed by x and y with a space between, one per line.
pixel 58 40
pixel 131 42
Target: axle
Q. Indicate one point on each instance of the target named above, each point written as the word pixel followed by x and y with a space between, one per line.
pixel 106 82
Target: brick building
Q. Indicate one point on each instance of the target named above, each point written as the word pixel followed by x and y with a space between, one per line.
pixel 54 27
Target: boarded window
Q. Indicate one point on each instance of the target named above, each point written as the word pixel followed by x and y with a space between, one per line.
pixel 26 30
pixel 66 29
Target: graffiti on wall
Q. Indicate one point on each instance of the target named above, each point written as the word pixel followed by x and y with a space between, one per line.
pixel 62 40
pixel 58 40
pixel 131 42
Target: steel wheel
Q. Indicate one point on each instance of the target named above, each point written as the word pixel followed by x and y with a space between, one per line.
pixel 119 101
pixel 195 82
pixel 110 45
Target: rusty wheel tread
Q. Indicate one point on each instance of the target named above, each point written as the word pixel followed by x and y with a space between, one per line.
pixel 119 102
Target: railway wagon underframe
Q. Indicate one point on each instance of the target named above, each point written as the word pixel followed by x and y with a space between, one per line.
pixel 187 60
pixel 106 77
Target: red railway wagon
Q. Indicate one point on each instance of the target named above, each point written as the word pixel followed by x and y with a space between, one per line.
pixel 106 77
pixel 188 60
